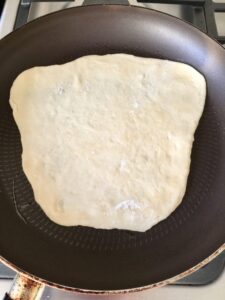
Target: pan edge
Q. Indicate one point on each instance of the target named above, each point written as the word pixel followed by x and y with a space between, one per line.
pixel 123 291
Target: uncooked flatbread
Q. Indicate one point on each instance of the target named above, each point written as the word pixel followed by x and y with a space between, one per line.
pixel 107 139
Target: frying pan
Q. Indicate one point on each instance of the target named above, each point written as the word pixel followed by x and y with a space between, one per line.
pixel 86 259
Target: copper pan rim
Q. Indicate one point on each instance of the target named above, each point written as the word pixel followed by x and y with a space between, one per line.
pixel 122 291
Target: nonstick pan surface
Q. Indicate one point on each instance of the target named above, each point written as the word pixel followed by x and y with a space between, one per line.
pixel 87 258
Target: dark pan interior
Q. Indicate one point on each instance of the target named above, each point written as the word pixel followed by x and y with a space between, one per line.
pixel 84 257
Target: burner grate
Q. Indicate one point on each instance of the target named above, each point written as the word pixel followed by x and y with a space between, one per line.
pixel 209 7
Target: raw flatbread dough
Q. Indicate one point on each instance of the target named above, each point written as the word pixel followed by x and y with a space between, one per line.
pixel 107 139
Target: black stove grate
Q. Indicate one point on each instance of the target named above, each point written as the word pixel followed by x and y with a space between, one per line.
pixel 209 8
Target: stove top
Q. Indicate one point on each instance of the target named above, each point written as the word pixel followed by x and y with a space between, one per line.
pixel 207 15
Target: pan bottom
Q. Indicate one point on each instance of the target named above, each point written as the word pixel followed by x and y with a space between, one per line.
pixel 203 170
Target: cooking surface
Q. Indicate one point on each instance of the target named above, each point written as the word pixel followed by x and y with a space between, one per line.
pixel 215 290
